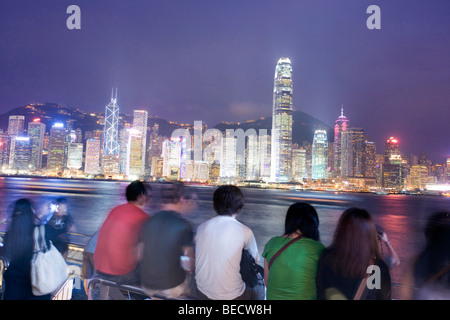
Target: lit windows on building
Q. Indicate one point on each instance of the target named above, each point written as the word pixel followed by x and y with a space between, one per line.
pixel 281 146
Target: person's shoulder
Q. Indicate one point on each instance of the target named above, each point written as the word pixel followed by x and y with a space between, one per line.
pixel 313 244
pixel 273 242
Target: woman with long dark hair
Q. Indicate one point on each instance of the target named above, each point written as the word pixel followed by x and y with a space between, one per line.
pixel 343 266
pixel 292 258
pixel 18 248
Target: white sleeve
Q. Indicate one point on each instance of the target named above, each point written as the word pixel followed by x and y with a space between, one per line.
pixel 250 244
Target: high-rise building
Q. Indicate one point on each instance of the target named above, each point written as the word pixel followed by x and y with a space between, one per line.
pixel 135 154
pixel 5 147
pixel 320 155
pixel 110 158
pixel 171 158
pixel 228 158
pixel 140 119
pixel 352 153
pixel 22 153
pixel 298 164
pixel 55 158
pixel 447 168
pixel 392 151
pixel 16 125
pixel 252 158
pixel 92 162
pixel 341 125
pixel 265 156
pixel 75 156
pixel 281 159
pixel 36 132
pixel 394 170
pixel 124 152
pixel 370 162
pixel 418 177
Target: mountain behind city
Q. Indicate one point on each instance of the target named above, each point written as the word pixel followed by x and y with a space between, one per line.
pixel 304 125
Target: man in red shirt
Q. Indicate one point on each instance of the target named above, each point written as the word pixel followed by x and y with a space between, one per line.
pixel 116 255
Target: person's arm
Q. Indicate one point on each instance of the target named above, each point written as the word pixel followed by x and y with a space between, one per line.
pixel 266 271
pixel 392 254
pixel 189 266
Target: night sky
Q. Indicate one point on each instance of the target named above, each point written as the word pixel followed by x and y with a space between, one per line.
pixel 214 60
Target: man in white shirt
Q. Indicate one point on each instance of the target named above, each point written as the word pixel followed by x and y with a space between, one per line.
pixel 219 243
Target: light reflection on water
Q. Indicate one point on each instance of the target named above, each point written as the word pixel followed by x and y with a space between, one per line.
pixel 402 217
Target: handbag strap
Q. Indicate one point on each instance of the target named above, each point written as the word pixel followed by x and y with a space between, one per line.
pixel 282 249
pixel 361 288
pixel 362 285
pixel 435 276
pixel 39 239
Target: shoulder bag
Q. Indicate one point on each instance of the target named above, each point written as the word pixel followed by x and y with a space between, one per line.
pixel 251 272
pixel 48 267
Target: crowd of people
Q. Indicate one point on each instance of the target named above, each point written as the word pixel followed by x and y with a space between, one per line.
pixel 163 254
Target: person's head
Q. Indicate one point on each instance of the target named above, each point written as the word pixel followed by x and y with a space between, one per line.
pixel 355 243
pixel 62 205
pixel 136 193
pixel 189 202
pixel 172 193
pixel 19 238
pixel 228 200
pixel 302 217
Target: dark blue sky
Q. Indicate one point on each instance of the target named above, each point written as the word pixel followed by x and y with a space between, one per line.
pixel 214 60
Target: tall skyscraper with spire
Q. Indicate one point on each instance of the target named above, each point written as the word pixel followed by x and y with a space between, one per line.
pixel 281 153
pixel 341 125
pixel 110 159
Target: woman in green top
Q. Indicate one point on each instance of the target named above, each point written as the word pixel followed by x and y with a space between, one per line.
pixel 293 273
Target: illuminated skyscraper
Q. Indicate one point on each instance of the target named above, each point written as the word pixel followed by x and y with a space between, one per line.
pixel 140 119
pixel 320 155
pixel 298 164
pixel 228 158
pixel 55 159
pixel 341 125
pixel 16 125
pixel 394 170
pixel 110 159
pixel 352 153
pixel 135 161
pixel 22 153
pixel 75 156
pixel 5 147
pixel 281 159
pixel 36 132
pixel 92 162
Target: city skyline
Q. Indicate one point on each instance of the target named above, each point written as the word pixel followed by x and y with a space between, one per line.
pixel 187 61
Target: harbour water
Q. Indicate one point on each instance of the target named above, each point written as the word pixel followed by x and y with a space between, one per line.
pixel 403 217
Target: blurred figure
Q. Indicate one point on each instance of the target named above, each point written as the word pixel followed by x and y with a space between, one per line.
pixel 189 202
pixel 219 244
pixel 430 272
pixel 293 275
pixel 18 248
pixel 58 227
pixel 167 244
pixel 343 266
pixel 116 256
pixel 389 254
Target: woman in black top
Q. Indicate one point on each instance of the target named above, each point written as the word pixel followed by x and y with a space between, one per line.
pixel 18 248
pixel 344 264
